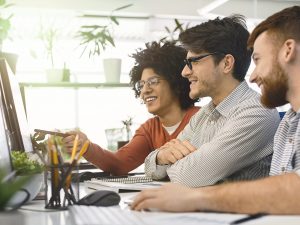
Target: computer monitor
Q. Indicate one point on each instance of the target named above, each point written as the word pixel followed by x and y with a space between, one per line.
pixel 5 160
pixel 14 112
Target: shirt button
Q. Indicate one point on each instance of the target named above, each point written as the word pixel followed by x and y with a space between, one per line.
pixel 282 169
pixel 291 140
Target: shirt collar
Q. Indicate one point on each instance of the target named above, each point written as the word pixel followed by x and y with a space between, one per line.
pixel 230 101
pixel 291 114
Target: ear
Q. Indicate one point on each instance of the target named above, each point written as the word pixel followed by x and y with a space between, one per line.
pixel 228 63
pixel 288 50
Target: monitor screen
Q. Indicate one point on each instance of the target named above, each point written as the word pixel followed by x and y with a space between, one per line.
pixel 14 111
pixel 5 161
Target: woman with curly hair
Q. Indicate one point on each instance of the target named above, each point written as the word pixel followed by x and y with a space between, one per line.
pixel 157 81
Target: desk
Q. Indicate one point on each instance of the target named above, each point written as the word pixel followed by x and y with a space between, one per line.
pixel 34 213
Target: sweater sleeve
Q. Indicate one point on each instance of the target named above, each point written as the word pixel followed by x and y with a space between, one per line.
pixel 126 158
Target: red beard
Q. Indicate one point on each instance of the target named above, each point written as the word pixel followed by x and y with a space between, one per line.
pixel 275 88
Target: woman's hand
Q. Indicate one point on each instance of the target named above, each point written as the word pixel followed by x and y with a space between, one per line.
pixel 68 141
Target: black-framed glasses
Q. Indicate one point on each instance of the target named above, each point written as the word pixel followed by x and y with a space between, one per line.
pixel 189 61
pixel 153 81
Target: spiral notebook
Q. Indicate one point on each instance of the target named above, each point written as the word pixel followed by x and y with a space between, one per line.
pixel 131 183
pixel 128 180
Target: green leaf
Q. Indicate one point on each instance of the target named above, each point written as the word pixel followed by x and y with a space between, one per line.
pixel 9 188
pixel 114 19
pixel 122 7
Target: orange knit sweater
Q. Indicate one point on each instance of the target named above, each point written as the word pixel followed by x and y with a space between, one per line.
pixel 148 137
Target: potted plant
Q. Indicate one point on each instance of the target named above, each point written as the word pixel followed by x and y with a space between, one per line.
pixel 96 38
pixel 5 26
pixel 49 36
pixel 127 134
pixel 27 165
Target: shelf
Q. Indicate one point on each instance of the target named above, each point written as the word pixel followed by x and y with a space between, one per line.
pixel 74 85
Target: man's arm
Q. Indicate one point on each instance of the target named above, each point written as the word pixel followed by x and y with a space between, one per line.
pixel 274 195
pixel 156 164
pixel 241 141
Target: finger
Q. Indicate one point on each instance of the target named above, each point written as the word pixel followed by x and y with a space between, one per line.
pixel 145 194
pixel 177 154
pixel 147 204
pixel 170 158
pixel 189 146
pixel 68 139
pixel 182 147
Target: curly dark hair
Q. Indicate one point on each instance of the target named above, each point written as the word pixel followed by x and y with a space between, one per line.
pixel 167 61
pixel 228 35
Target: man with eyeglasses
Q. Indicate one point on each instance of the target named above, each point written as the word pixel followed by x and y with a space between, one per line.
pixel 231 138
pixel 276 44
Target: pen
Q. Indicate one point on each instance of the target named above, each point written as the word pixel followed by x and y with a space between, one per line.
pixel 55 133
pixel 249 217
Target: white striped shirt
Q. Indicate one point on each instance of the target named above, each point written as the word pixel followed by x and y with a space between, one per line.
pixel 234 141
pixel 286 157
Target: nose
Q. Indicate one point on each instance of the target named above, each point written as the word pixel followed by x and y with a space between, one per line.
pixel 146 88
pixel 186 72
pixel 253 77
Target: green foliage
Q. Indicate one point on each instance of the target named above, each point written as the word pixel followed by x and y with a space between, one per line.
pixel 9 188
pixel 24 165
pixel 5 24
pixel 49 36
pixel 95 38
pixel 173 34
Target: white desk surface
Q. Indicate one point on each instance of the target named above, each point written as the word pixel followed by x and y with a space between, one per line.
pixel 34 213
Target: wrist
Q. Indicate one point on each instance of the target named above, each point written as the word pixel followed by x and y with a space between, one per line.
pixel 89 149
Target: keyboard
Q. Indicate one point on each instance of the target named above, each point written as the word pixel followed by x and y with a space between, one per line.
pixel 92 215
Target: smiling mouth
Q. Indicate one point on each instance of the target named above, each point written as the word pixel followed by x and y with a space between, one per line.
pixel 149 99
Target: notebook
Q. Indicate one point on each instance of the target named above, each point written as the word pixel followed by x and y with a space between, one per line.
pixel 132 183
pixel 128 180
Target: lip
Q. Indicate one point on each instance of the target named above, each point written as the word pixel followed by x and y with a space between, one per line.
pixel 149 99
pixel 192 82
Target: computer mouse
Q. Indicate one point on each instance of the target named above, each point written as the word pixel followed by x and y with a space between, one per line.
pixel 100 198
pixel 85 176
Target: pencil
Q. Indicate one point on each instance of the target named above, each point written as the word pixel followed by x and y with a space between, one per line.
pixel 74 147
pixel 83 150
pixel 68 180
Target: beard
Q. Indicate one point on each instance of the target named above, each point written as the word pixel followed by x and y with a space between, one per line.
pixel 275 88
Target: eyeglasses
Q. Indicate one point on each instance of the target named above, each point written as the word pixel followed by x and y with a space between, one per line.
pixel 189 61
pixel 153 81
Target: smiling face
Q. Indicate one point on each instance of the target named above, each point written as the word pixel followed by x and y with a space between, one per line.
pixel 268 74
pixel 158 98
pixel 204 76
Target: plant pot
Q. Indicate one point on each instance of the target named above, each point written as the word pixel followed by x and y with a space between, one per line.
pixel 57 75
pixel 112 70
pixel 33 186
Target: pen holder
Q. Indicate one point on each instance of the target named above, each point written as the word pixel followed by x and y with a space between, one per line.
pixel 60 189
